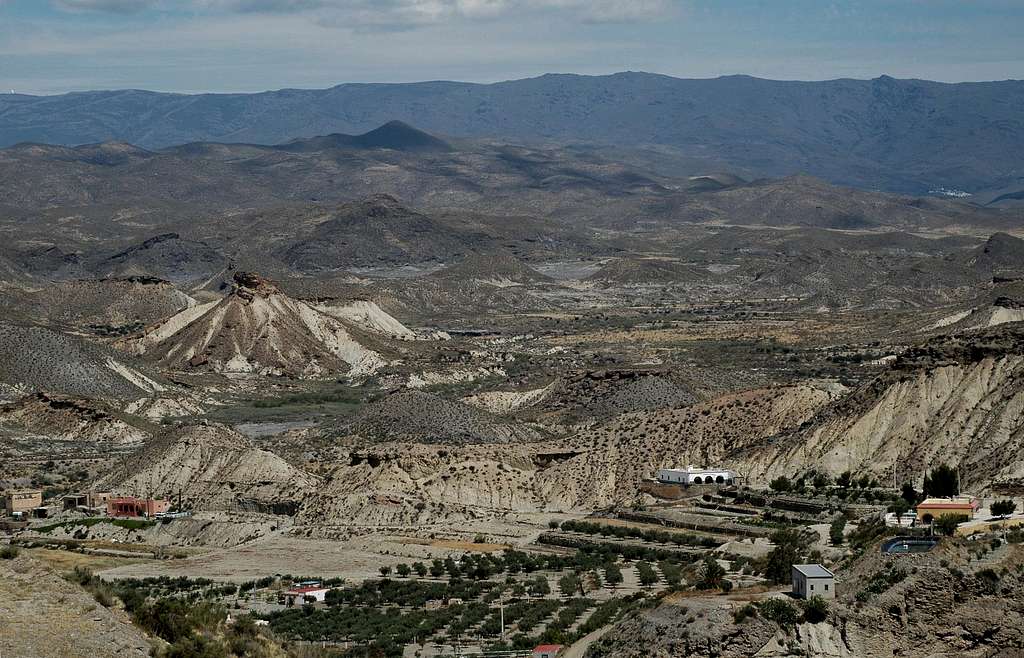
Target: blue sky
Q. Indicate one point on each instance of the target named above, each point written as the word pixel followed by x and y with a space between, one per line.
pixel 53 46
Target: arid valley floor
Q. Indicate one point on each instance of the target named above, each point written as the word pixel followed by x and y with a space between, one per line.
pixel 439 378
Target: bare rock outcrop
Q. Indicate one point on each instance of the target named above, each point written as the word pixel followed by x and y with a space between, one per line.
pixel 70 418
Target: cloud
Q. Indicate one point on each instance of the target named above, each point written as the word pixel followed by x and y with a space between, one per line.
pixel 266 6
pixel 364 15
pixel 111 6
pixel 393 15
pixel 611 11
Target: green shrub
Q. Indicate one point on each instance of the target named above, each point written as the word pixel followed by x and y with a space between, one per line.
pixel 646 574
pixel 947 523
pixel 1003 507
pixel 612 574
pixel 741 614
pixel 779 563
pixel 883 580
pixel 780 611
pixel 816 610
pixel 989 580
pixel 8 552
pixel 835 531
pixel 711 574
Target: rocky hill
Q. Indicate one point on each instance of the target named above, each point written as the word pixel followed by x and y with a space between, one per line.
pixel 257 329
pixel 393 135
pixel 500 270
pixel 806 201
pixel 106 307
pixel 167 256
pixel 413 483
pixel 78 627
pixel 377 230
pixel 421 417
pixel 368 315
pixel 34 358
pixel 211 467
pixel 67 418
pixel 394 483
pixel 1002 255
pixel 601 394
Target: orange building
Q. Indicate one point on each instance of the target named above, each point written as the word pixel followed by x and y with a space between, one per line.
pixel 932 508
pixel 132 507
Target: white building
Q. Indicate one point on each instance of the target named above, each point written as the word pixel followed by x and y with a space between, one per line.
pixel 298 595
pixel 696 475
pixel 813 580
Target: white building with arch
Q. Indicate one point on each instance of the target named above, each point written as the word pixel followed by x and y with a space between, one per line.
pixel 696 475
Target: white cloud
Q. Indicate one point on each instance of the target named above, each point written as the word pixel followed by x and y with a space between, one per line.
pixel 611 11
pixel 113 6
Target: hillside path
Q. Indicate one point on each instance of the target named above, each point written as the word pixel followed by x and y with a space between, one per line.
pixel 579 648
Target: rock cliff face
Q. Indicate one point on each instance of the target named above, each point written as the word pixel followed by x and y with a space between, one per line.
pixel 402 483
pixel 968 415
pixel 399 483
pixel 258 329
pixel 212 468
pixel 958 399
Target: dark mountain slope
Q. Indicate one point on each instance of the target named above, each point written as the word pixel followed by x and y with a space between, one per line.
pixel 903 135
pixel 372 232
pixel 394 135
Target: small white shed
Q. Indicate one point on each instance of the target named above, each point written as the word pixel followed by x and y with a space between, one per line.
pixel 813 580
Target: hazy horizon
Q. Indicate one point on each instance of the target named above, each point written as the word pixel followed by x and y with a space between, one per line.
pixel 200 92
pixel 244 46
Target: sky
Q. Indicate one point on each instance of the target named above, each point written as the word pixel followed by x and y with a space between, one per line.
pixel 189 46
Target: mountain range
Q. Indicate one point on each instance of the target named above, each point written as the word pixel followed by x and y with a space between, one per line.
pixel 911 136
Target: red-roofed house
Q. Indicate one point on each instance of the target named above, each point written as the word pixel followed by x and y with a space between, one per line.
pixel 297 595
pixel 547 651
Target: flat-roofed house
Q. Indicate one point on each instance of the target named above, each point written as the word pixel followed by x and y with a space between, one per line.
pixel 301 594
pixel 131 506
pixel 22 501
pixel 813 580
pixel 696 475
pixel 932 508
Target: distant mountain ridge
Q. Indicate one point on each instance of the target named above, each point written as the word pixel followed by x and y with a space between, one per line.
pixel 900 135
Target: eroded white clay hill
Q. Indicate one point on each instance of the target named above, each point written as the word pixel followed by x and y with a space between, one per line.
pixel 259 330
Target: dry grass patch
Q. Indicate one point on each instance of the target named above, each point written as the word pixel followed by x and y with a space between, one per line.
pixel 61 561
